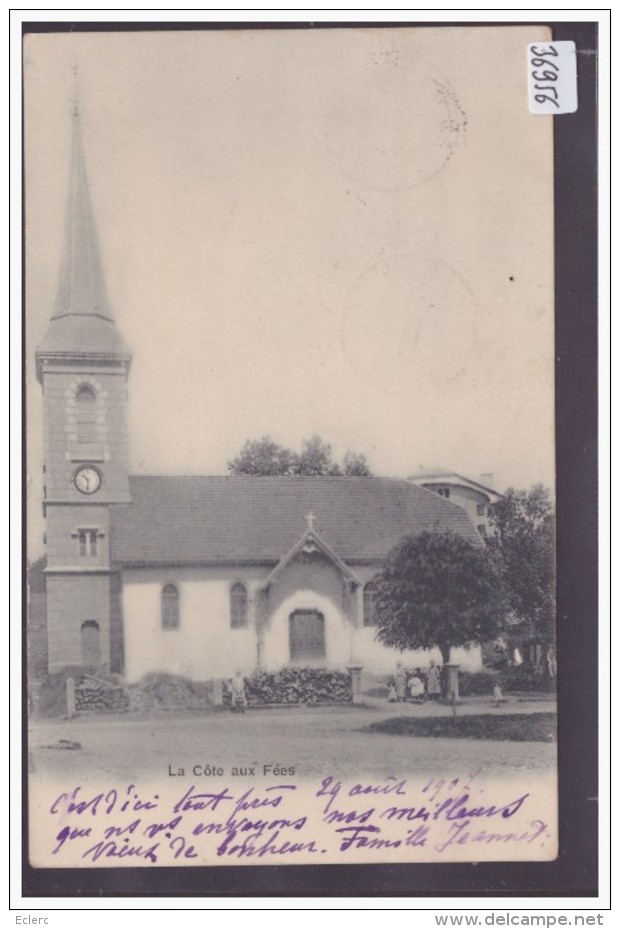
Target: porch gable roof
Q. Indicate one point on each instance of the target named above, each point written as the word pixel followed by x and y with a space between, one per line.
pixel 311 538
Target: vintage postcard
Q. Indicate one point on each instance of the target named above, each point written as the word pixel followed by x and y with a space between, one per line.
pixel 290 396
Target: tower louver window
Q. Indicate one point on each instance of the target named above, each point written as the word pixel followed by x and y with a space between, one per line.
pixel 86 415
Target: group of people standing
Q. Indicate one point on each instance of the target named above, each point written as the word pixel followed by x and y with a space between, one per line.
pixel 417 686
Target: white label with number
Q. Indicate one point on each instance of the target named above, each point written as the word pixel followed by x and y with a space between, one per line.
pixel 552 77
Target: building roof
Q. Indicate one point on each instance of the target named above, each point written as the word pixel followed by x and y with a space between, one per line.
pixel 311 542
pixel 210 520
pixel 443 476
pixel 80 334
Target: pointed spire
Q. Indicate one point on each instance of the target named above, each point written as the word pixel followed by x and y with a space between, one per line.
pixel 76 107
pixel 81 326
pixel 81 288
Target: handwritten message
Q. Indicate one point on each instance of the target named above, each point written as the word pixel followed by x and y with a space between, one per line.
pixel 221 821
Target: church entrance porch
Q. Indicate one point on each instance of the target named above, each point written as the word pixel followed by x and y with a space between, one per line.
pixel 306 635
pixel 309 629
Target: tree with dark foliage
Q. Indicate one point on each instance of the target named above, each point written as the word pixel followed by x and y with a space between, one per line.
pixel 315 459
pixel 355 465
pixel 523 542
pixel 264 458
pixel 437 590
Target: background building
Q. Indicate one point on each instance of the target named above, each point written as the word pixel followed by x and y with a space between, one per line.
pixel 473 496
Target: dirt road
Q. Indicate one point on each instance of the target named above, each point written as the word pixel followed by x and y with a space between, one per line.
pixel 316 742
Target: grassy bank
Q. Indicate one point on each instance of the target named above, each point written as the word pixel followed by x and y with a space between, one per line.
pixel 516 727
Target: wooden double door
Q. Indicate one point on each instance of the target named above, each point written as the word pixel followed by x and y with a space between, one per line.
pixel 306 630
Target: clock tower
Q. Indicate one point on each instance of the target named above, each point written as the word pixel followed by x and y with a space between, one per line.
pixel 82 364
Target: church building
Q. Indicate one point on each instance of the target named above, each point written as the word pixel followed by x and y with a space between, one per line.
pixel 192 575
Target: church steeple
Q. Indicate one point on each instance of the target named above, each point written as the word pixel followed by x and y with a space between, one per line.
pixel 81 322
pixel 81 288
pixel 82 364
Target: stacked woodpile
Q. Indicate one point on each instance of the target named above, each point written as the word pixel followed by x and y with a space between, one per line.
pixel 93 695
pixel 294 687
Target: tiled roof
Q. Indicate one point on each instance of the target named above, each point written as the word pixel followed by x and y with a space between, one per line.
pixel 202 520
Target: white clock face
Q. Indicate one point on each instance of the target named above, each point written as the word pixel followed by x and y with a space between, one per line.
pixel 87 480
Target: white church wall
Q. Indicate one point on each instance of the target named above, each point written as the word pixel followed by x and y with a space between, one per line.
pixel 204 645
pixel 372 655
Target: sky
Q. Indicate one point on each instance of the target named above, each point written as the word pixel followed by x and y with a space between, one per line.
pixel 346 232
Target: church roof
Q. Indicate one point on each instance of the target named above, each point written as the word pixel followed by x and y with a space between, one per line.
pixel 311 542
pixel 82 335
pixel 210 520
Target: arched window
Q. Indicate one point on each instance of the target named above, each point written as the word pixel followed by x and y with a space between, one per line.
pixel 91 649
pixel 86 415
pixel 238 607
pixel 369 604
pixel 169 607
